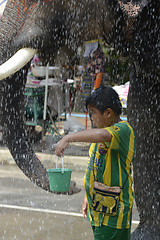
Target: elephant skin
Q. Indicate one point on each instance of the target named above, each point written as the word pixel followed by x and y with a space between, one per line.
pixel 131 27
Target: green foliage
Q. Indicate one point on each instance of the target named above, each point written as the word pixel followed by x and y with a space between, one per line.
pixel 117 67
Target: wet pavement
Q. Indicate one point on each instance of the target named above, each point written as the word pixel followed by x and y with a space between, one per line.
pixel 28 212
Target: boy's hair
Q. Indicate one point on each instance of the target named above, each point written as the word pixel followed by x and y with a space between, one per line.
pixel 103 98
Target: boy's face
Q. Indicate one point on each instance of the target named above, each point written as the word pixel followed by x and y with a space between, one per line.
pixel 99 120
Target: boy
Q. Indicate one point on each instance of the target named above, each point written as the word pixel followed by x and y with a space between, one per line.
pixel 111 153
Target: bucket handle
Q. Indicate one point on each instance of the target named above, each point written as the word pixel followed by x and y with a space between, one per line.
pixel 62 163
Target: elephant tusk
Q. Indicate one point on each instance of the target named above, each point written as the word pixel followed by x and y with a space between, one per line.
pixel 16 62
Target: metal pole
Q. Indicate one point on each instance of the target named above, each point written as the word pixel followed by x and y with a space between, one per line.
pixel 45 107
pixel 46 94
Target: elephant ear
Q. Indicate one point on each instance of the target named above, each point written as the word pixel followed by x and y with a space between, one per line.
pixel 14 128
pixel 130 11
pixel 131 8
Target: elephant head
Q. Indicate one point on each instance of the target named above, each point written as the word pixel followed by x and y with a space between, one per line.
pixel 131 27
pixel 28 26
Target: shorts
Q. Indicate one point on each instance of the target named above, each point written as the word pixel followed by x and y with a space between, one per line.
pixel 108 233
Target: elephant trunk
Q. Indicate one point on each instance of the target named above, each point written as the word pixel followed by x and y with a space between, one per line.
pixel 12 92
pixel 14 130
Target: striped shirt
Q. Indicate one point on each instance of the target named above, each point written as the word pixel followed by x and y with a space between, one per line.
pixel 113 169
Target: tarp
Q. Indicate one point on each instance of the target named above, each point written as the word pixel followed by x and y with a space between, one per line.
pixel 122 91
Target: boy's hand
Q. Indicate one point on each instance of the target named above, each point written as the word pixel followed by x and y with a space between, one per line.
pixel 61 146
pixel 84 207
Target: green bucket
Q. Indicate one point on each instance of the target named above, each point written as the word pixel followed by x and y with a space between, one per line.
pixel 59 179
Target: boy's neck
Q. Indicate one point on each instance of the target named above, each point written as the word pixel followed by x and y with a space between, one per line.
pixel 114 120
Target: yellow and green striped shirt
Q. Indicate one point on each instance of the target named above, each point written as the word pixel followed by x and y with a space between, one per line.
pixel 113 169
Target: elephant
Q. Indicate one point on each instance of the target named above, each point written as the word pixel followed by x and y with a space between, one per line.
pixel 132 28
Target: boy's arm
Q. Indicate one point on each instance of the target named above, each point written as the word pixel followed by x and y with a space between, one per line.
pixel 91 136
